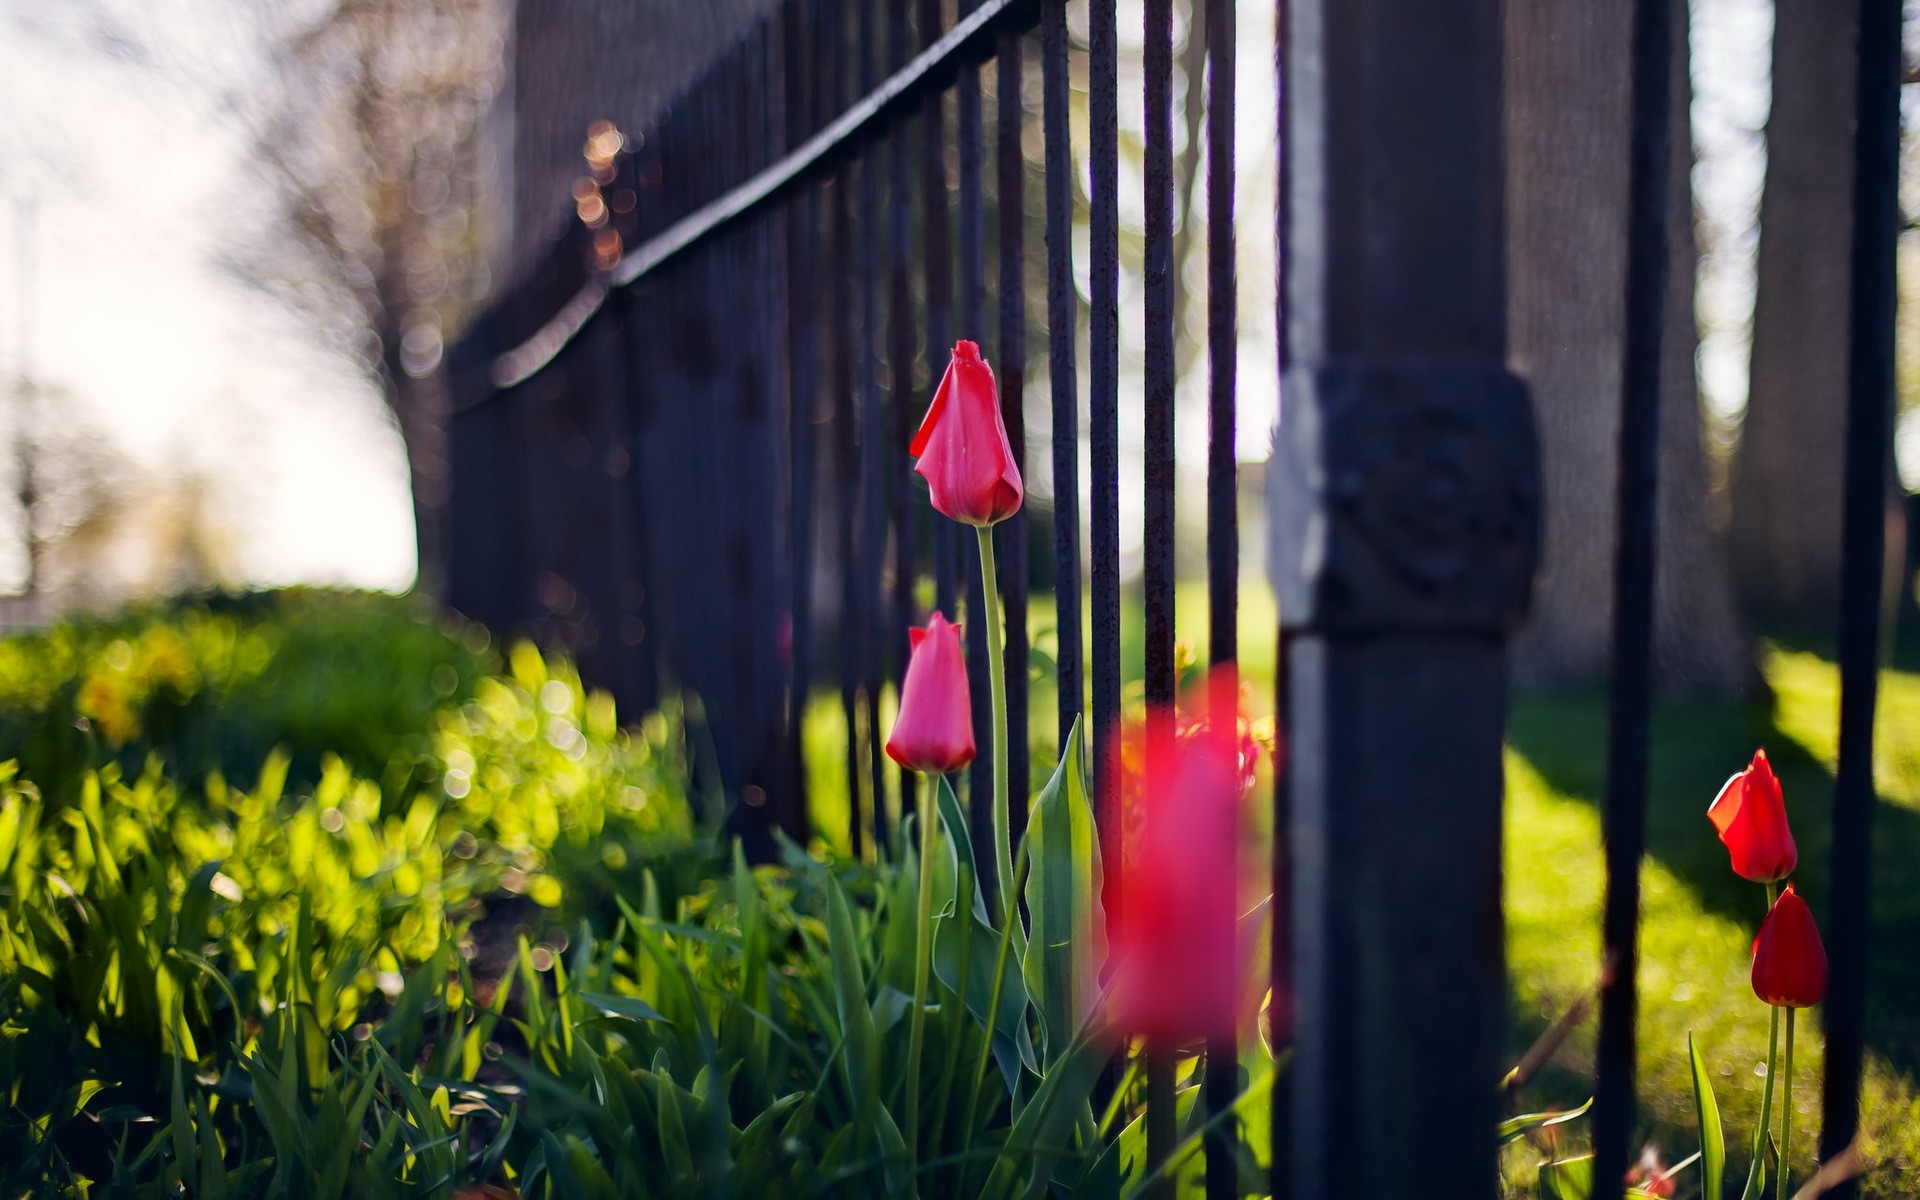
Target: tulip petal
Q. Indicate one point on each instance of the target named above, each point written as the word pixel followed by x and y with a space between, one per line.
pixel 1725 809
pixel 1750 816
pixel 918 446
pixel 962 449
pixel 933 730
pixel 1789 962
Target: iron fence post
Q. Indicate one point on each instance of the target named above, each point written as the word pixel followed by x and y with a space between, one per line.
pixel 1404 495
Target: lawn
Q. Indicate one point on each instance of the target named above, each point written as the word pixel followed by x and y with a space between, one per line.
pixel 1698 918
pixel 327 853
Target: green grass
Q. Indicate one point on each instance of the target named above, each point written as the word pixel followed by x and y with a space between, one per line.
pixel 259 856
pixel 488 942
pixel 151 788
pixel 1698 919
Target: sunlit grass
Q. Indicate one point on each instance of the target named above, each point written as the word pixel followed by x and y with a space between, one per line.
pixel 1698 919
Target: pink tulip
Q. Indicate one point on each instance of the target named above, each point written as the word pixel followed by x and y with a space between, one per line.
pixel 933 732
pixel 962 445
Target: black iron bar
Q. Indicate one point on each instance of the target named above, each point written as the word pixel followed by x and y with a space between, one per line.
pixel 1103 398
pixel 1222 1081
pixel 904 518
pixel 761 786
pixel 1157 527
pixel 847 470
pixel 1630 693
pixel 802 342
pixel 1103 401
pixel 1870 399
pixel 1062 320
pixel 939 274
pixel 1010 207
pixel 1280 1004
pixel 728 695
pixel 707 408
pixel 615 461
pixel 641 633
pixel 873 637
pixel 1103 439
pixel 973 326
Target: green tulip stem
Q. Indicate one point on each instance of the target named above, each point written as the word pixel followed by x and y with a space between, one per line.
pixel 1786 1113
pixel 922 967
pixel 997 688
pixel 1766 1093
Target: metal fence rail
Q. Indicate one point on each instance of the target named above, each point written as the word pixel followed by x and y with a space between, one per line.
pixel 679 452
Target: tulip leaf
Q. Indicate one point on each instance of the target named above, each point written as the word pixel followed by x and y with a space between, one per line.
pixel 1756 1188
pixel 1713 1143
pixel 631 1007
pixel 1063 901
pixel 859 1043
pixel 953 871
pixel 1517 1127
pixel 1567 1179
pixel 1044 1127
pixel 1766 1154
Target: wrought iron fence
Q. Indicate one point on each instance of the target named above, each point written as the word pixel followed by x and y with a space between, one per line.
pixel 688 424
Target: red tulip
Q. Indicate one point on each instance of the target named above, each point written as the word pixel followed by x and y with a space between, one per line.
pixel 933 731
pixel 962 445
pixel 1218 692
pixel 1789 963
pixel 1172 921
pixel 1751 816
pixel 1650 1175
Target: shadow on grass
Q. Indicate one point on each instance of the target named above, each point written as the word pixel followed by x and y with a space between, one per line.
pixel 1696 746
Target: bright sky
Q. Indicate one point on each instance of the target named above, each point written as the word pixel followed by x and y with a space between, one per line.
pixel 114 121
pixel 140 188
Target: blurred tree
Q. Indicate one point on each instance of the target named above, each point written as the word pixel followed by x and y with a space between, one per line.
pixel 1567 136
pixel 372 147
pixel 579 61
pixel 103 528
pixel 1788 470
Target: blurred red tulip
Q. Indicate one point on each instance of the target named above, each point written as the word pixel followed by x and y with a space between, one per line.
pixel 1751 817
pixel 1652 1176
pixel 1789 963
pixel 933 732
pixel 962 445
pixel 1176 975
pixel 1221 692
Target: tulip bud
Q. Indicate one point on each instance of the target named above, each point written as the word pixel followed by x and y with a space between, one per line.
pixel 1172 918
pixel 933 732
pixel 962 445
pixel 1789 963
pixel 1751 817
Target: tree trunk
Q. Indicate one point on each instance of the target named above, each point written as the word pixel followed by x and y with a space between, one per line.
pixel 423 423
pixel 420 409
pixel 1787 471
pixel 1567 135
